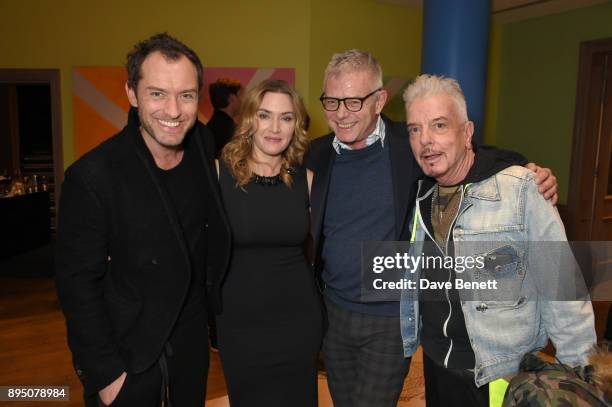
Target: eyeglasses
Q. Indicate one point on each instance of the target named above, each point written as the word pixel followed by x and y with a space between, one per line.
pixel 351 104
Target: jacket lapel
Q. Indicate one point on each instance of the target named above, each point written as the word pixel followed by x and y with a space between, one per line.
pixel 210 172
pixel 320 189
pixel 146 159
pixel 402 174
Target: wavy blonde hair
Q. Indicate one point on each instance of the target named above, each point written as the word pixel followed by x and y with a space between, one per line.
pixel 238 150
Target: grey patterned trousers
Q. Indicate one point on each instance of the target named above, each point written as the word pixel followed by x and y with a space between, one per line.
pixel 364 358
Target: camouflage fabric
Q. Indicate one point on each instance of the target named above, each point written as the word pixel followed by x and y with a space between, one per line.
pixel 542 384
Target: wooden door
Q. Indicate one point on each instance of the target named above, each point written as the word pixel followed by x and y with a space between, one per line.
pixel 49 163
pixel 590 196
pixel 601 219
pixel 590 191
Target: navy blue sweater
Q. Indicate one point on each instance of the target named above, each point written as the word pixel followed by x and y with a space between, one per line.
pixel 359 208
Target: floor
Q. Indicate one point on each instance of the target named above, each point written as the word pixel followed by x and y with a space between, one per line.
pixel 33 349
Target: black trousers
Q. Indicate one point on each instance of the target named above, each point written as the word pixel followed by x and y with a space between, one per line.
pixel 452 387
pixel 183 365
pixel 364 358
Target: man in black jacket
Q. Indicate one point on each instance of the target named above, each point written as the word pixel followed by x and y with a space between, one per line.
pixel 140 221
pixel 364 174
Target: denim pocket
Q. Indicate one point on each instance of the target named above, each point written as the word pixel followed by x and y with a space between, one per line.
pixel 503 267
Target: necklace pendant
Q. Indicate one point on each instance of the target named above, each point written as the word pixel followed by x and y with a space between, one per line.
pixel 267 181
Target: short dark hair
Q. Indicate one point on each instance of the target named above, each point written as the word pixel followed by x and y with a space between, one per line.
pixel 220 90
pixel 170 48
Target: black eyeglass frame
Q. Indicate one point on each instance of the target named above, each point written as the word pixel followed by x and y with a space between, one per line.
pixel 343 100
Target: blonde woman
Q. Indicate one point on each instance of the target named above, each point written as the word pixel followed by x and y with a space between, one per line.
pixel 270 325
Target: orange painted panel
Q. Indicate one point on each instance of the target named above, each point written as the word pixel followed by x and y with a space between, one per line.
pixel 90 129
pixel 110 80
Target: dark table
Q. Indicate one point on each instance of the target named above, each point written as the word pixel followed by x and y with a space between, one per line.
pixel 25 223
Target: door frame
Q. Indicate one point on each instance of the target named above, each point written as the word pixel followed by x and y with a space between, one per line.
pixel 587 51
pixel 52 78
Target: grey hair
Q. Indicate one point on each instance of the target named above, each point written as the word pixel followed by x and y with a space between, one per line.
pixel 354 60
pixel 429 85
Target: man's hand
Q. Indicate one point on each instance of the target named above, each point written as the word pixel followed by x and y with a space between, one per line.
pixel 109 393
pixel 546 182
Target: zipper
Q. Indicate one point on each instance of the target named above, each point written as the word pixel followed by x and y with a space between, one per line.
pixel 450 314
pixel 450 349
pixel 450 310
pixel 445 252
pixel 452 225
pixel 425 227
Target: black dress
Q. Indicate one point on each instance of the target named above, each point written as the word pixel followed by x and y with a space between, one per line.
pixel 270 329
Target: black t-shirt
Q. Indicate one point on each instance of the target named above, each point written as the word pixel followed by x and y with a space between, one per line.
pixel 189 192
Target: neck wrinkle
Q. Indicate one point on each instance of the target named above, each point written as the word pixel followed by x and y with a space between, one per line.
pixel 462 170
pixel 270 166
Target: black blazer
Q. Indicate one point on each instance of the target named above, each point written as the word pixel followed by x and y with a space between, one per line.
pixel 122 264
pixel 404 172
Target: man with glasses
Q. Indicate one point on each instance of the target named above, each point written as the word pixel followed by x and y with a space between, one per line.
pixel 363 189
